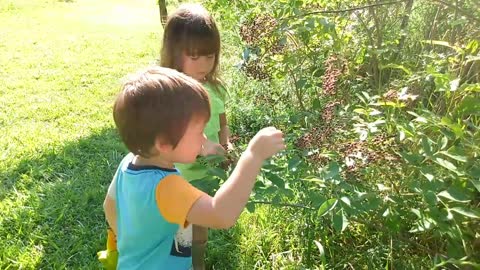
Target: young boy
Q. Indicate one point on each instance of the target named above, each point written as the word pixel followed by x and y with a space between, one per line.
pixel 160 115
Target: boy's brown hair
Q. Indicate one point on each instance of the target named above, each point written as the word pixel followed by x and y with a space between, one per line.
pixel 158 104
pixel 191 30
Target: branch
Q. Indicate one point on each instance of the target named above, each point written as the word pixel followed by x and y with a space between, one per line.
pixel 284 204
pixel 459 10
pixel 348 9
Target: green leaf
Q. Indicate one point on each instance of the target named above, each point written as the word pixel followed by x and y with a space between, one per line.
pixel 333 171
pixel 430 198
pixel 346 200
pixel 453 195
pixel 413 159
pixel 395 66
pixel 276 180
pixel 340 221
pixel 321 251
pixel 456 128
pixel 316 105
pixel 300 83
pixel 469 105
pixel 466 212
pixel 218 173
pixel 444 142
pixel 476 183
pixel 456 157
pixel 214 158
pixel 427 173
pixel 447 164
pixel 293 163
pixel 251 207
pixel 426 145
pixel 327 206
pixel 445 44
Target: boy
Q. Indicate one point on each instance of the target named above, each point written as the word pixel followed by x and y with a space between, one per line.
pixel 160 115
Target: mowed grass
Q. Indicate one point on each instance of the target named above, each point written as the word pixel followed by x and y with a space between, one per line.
pixel 62 65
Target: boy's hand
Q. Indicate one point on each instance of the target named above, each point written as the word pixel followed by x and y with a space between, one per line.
pixel 212 148
pixel 266 143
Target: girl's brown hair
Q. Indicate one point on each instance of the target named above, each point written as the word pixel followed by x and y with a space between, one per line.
pixel 191 29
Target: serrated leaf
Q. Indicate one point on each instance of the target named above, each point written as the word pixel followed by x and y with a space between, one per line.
pixel 327 206
pixel 466 212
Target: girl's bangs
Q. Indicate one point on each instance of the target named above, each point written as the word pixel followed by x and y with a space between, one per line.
pixel 206 44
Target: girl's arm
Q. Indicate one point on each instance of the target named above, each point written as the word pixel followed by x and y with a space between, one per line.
pixel 224 133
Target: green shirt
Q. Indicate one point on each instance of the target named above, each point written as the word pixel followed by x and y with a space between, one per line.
pixel 217 107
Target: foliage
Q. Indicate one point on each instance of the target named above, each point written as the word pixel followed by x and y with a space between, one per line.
pixel 385 119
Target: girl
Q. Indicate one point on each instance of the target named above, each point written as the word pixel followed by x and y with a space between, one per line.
pixel 191 44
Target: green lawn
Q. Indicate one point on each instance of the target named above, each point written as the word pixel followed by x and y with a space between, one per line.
pixel 62 63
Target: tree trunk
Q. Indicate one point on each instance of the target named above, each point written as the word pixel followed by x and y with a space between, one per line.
pixel 162 6
pixel 403 33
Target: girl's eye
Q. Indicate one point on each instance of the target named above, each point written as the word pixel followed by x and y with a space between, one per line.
pixel 211 56
pixel 194 57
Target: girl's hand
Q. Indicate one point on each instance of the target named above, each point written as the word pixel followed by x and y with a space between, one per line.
pixel 228 146
pixel 212 148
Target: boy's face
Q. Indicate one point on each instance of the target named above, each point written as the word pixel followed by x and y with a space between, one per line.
pixel 199 66
pixel 190 146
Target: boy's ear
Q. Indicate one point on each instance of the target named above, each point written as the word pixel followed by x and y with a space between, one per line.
pixel 162 146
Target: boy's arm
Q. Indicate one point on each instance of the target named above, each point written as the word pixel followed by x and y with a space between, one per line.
pixel 181 203
pixel 110 213
pixel 223 209
pixel 109 205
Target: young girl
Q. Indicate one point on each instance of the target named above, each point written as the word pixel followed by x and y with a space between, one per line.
pixel 191 44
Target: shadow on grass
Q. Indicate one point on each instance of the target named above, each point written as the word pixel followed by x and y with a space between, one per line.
pixel 55 217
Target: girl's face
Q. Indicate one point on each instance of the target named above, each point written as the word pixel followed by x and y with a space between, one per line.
pixel 198 67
